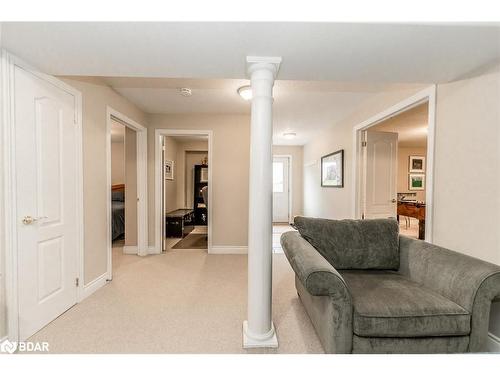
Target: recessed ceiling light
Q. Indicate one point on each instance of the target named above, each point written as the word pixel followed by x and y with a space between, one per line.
pixel 184 91
pixel 289 135
pixel 245 92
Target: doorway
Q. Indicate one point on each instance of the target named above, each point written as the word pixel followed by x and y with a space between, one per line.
pixel 127 187
pixel 282 198
pixel 281 189
pixel 393 165
pixel 183 190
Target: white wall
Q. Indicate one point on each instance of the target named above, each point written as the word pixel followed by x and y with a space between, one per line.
pixel 117 163
pixel 96 96
pixel 170 186
pixel 467 170
pixel 297 170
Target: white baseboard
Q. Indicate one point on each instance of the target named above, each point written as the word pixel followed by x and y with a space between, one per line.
pixel 154 250
pixel 94 285
pixel 493 343
pixel 229 250
pixel 130 250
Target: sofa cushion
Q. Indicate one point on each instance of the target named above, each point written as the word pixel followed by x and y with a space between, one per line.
pixel 386 304
pixel 353 244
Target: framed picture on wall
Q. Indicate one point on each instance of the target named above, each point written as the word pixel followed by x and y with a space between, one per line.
pixel 417 164
pixel 332 169
pixel 416 182
pixel 169 169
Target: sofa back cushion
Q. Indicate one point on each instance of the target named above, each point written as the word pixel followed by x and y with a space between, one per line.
pixel 353 244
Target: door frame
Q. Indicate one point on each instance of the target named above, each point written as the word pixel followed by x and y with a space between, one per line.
pixel 142 183
pixel 158 182
pixel 290 183
pixel 426 95
pixel 7 138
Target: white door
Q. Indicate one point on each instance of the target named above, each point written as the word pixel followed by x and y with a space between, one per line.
pixel 281 190
pixel 46 199
pixel 380 171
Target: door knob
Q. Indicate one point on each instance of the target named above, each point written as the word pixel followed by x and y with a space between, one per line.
pixel 393 200
pixel 27 220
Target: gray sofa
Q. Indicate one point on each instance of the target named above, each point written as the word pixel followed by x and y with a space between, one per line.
pixel 368 290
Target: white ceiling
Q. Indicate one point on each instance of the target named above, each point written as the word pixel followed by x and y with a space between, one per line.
pixel 411 126
pixel 302 107
pixel 311 51
pixel 328 69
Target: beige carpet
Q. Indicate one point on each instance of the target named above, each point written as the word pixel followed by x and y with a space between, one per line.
pixel 178 302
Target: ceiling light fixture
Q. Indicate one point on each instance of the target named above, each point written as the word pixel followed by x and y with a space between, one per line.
pixel 289 135
pixel 185 91
pixel 245 92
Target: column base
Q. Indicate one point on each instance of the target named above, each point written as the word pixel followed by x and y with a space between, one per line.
pixel 268 341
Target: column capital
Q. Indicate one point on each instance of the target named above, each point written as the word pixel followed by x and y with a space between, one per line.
pixel 272 64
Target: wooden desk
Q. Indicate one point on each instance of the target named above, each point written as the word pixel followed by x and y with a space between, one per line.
pixel 415 210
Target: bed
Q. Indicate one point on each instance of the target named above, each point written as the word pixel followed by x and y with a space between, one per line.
pixel 117 211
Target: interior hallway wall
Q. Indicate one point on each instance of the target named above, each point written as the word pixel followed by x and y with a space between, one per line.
pixel 170 186
pixel 96 97
pixel 403 169
pixel 191 158
pixel 231 160
pixel 467 170
pixel 117 163
pixel 297 169
pixel 130 187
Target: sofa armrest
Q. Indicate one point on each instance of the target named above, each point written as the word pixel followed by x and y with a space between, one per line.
pixel 315 273
pixel 467 281
pixel 323 292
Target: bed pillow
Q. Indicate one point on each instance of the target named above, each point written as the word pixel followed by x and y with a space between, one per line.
pixel 118 196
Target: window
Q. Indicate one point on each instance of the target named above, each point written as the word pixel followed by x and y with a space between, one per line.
pixel 278 185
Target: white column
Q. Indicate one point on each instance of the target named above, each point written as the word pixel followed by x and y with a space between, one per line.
pixel 258 330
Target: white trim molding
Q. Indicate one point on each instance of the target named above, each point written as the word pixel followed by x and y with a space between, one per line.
pixel 216 249
pixel 133 250
pixel 426 95
pixel 158 182
pixel 8 65
pixel 94 285
pixel 142 247
pixel 153 250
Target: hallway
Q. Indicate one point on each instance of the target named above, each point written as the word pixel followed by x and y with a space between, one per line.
pixel 178 302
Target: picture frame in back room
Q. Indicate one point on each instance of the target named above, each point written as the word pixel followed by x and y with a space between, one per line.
pixel 168 167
